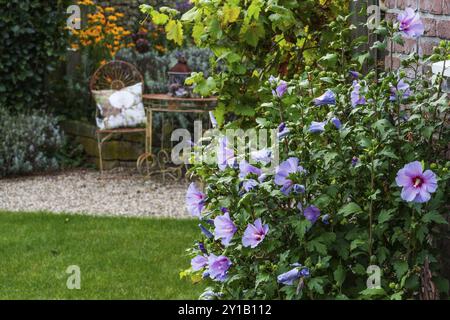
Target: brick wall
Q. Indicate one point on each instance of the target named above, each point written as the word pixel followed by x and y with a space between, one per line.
pixel 435 15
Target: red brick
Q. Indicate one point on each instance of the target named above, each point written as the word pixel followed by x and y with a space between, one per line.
pixel 390 4
pixel 391 17
pixel 395 62
pixel 446 7
pixel 430 26
pixel 409 46
pixel 431 6
pixel 427 44
pixel 443 29
pixel 403 4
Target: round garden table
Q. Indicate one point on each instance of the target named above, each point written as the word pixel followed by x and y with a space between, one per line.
pixel 167 103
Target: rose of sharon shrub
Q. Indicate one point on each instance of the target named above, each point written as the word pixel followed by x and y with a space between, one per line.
pixel 362 181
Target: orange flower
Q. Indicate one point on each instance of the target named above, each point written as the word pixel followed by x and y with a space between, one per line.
pixel 103 32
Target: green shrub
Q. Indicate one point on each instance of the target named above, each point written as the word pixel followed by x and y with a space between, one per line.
pixel 33 41
pixel 358 154
pixel 30 142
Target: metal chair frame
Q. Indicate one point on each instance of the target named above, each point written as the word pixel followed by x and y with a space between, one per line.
pixel 116 75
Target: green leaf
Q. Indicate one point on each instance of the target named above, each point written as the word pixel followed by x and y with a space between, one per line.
pixel 330 156
pixel 322 201
pixel 230 14
pixel 400 267
pixel 397 296
pixel 316 284
pixel 253 11
pixel 382 254
pixel 329 59
pixel 174 31
pixel 442 284
pixel 435 217
pixel 219 113
pixel 388 153
pixel 253 33
pixel 362 58
pixel 159 18
pixel 339 275
pixel 145 8
pixel 379 45
pixel 350 208
pixel 190 15
pixel 203 87
pixel 214 29
pixel 427 132
pixel 245 110
pixel 316 246
pixel 384 216
pixel 301 227
pixel 260 278
pixel 197 32
pixel 357 243
pixel 373 292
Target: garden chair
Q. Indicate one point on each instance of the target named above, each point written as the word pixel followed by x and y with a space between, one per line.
pixel 118 84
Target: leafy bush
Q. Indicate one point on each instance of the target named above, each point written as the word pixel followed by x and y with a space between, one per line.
pixel 30 142
pixel 33 42
pixel 362 181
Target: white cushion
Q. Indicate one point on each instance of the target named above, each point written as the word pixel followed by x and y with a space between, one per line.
pixel 120 109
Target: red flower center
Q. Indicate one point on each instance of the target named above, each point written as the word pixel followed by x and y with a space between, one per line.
pixel 418 181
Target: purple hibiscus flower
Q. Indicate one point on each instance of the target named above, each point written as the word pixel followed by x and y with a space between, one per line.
pixel 225 155
pixel 355 161
pixel 283 171
pixel 250 184
pixel 317 127
pixel 410 24
pixel 264 156
pixel 199 262
pixel 401 89
pixel 225 229
pixel 354 74
pixel 218 267
pixel 312 213
pixel 213 120
pixel 281 89
pixel 205 231
pixel 327 98
pixel 289 277
pixel 283 131
pixel 263 177
pixel 356 97
pixel 246 169
pixel 195 200
pixel 201 247
pixel 337 123
pixel 417 185
pixel 298 188
pixel 255 234
pixel 272 80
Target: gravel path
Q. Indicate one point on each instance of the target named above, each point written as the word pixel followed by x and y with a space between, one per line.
pixel 118 193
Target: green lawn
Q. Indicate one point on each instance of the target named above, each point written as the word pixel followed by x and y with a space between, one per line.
pixel 119 258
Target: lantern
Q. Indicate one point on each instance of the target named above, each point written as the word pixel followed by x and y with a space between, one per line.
pixel 177 76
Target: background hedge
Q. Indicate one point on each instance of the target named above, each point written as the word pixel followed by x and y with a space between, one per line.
pixel 33 46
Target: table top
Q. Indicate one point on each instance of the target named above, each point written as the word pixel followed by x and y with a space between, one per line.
pixel 166 97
